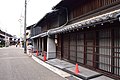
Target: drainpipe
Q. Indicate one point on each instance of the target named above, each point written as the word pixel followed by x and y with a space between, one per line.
pixel 63 24
pixel 66 15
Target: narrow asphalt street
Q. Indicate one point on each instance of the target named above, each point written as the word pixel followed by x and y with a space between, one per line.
pixel 15 65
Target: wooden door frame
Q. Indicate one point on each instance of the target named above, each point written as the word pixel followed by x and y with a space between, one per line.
pixel 85 48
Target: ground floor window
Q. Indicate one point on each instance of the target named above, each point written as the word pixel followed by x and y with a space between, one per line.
pixel 116 52
pixel 73 46
pixel 80 47
pixel 104 50
pixel 89 47
pixel 98 48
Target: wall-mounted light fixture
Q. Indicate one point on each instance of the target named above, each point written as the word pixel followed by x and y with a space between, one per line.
pixel 119 19
pixel 101 23
pixel 56 42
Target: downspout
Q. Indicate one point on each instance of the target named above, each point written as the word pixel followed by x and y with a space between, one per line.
pixel 67 17
pixel 63 24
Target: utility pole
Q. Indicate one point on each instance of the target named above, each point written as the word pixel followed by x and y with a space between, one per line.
pixel 25 48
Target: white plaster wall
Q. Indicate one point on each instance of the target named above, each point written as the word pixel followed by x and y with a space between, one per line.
pixel 51 48
pixel 34 44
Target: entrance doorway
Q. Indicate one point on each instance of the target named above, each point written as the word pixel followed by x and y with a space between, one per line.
pixel 89 48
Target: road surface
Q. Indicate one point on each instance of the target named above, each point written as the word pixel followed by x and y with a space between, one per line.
pixel 15 65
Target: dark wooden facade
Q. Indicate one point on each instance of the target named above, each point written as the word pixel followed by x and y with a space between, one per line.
pixel 96 47
pixel 86 6
pixel 85 9
pixel 51 20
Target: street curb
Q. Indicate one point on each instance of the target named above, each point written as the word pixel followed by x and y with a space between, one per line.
pixel 54 69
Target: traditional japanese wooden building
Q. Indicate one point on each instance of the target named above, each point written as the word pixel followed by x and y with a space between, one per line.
pixel 5 39
pixel 83 31
pixel 39 32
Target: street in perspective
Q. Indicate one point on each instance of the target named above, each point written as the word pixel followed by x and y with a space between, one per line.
pixel 15 65
pixel 60 40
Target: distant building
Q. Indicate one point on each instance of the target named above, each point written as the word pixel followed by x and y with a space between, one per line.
pixel 5 39
pixel 28 34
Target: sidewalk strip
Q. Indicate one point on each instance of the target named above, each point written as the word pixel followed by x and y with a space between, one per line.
pixel 55 70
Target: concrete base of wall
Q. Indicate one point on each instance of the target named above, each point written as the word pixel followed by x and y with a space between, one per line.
pixel 51 48
pixel 51 55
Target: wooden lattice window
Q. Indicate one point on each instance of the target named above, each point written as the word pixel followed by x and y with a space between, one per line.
pixel 73 46
pixel 80 47
pixel 89 47
pixel 105 50
pixel 116 52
